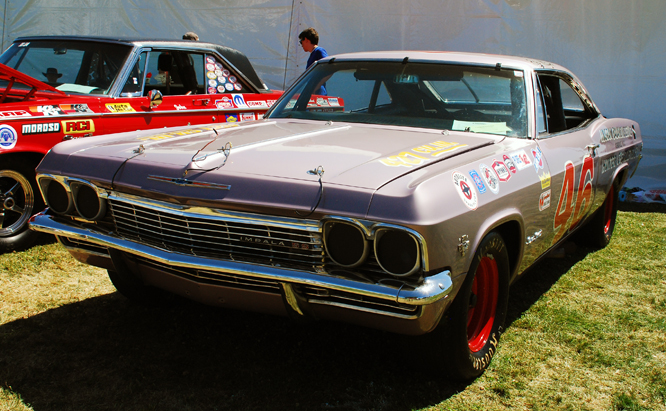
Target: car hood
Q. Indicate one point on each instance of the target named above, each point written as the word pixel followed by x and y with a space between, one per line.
pixel 258 160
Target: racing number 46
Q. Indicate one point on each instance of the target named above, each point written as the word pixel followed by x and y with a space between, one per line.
pixel 573 205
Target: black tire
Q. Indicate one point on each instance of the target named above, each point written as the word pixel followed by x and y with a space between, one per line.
pixel 476 317
pixel 131 286
pixel 19 200
pixel 598 232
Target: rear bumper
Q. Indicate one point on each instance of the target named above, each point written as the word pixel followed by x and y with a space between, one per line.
pixel 393 307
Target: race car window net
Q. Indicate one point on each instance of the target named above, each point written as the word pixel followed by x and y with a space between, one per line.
pixel 441 96
pixel 70 66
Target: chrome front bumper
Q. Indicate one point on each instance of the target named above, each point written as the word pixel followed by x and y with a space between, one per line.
pixel 432 296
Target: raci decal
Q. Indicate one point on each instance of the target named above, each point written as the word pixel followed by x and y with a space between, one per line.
pixel 421 154
pixel 612 162
pixel 465 190
pixel 14 114
pixel 545 180
pixel 617 133
pixel 120 107
pixel 477 180
pixel 538 159
pixel 49 110
pixel 490 178
pixel 509 164
pixel 544 200
pixel 78 126
pixel 573 204
pixel 502 171
pixel 8 137
pixel 520 159
pixel 40 128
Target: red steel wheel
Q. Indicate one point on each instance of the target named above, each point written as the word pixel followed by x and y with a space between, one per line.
pixel 483 304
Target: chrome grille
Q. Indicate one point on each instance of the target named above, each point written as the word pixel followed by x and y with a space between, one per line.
pixel 220 237
pixel 318 295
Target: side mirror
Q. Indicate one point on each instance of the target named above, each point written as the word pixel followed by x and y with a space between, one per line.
pixel 155 98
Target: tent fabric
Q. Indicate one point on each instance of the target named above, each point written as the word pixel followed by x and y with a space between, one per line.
pixel 616 47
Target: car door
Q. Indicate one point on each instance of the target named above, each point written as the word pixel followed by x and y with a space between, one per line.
pixel 566 145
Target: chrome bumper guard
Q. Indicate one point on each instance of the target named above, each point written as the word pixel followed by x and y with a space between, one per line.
pixel 433 289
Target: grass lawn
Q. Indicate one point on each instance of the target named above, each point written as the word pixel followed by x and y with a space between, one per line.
pixel 585 332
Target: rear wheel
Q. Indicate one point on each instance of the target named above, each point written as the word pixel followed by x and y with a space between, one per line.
pixel 599 230
pixel 477 315
pixel 19 200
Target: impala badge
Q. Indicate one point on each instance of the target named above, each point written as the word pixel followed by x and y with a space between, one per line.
pixel 187 183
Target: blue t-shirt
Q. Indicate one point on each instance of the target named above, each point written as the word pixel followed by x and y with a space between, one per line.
pixel 317 54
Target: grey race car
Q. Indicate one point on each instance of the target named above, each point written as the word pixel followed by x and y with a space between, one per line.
pixel 408 198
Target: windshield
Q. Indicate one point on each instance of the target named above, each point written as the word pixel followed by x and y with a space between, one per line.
pixel 70 66
pixel 429 95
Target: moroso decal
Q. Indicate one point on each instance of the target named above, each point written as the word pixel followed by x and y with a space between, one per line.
pixel 465 190
pixel 120 107
pixel 490 178
pixel 78 126
pixel 478 181
pixel 8 137
pixel 40 128
pixel 573 205
pixel 501 170
pixel 421 154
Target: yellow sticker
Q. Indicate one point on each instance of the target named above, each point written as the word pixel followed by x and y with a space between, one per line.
pixel 545 180
pixel 120 107
pixel 421 154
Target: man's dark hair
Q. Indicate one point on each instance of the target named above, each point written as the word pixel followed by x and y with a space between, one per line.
pixel 310 34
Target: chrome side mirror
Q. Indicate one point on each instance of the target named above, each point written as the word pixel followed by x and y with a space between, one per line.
pixel 155 98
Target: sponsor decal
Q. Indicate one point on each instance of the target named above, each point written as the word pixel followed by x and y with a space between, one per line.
pixel 239 100
pixel 210 60
pixel 225 73
pixel 8 137
pixel 573 204
pixel 478 181
pixel 545 180
pixel 612 162
pixel 322 101
pixel 238 87
pixel 49 110
pixel 490 178
pixel 220 89
pixel 78 126
pixel 544 200
pixel 229 87
pixel 14 114
pixel 509 164
pixel 465 190
pixel 224 102
pixel 520 159
pixel 182 133
pixel 232 79
pixel 231 118
pixel 210 67
pixel 212 90
pixel 260 104
pixel 120 107
pixel 76 108
pixel 270 102
pixel 221 79
pixel 179 107
pixel 247 117
pixel 617 133
pixel 333 101
pixel 40 128
pixel 538 158
pixel 212 83
pixel 502 171
pixel 421 154
pixel 211 75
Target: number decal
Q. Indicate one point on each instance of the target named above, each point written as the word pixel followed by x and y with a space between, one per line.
pixel 566 216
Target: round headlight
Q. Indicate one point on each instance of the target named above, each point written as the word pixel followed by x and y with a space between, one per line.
pixel 57 197
pixel 87 202
pixel 397 252
pixel 345 243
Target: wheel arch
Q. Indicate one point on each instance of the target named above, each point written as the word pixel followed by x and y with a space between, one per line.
pixel 511 228
pixel 33 158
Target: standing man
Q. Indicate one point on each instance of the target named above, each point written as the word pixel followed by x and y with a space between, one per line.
pixel 309 40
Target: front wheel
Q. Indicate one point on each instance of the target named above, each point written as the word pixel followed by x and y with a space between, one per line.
pixel 19 200
pixel 477 314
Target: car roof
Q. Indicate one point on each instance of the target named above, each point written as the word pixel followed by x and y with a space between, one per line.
pixel 233 56
pixel 451 57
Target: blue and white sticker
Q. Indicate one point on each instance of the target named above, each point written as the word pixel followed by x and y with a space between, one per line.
pixel 8 137
pixel 538 158
pixel 239 100
pixel 478 181
pixel 490 178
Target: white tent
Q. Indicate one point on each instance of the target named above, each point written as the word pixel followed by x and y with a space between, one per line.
pixel 616 47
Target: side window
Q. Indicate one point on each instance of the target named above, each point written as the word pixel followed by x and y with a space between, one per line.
pixel 563 106
pixel 175 72
pixel 541 116
pixel 220 80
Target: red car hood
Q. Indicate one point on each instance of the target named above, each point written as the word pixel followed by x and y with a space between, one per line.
pixel 34 87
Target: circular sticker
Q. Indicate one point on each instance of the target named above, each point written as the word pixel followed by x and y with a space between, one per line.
pixel 212 90
pixel 212 83
pixel 232 79
pixel 210 67
pixel 211 75
pixel 237 87
pixel 490 178
pixel 222 80
pixel 8 137
pixel 465 190
pixel 210 60
pixel 220 88
pixel 229 86
pixel 219 66
pixel 225 73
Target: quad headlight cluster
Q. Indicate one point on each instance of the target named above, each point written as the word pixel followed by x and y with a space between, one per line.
pixel 72 196
pixel 349 243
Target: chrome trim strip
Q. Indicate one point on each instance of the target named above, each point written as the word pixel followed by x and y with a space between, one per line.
pixel 433 289
pixel 363 309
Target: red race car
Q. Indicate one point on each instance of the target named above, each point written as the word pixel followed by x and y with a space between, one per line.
pixel 60 88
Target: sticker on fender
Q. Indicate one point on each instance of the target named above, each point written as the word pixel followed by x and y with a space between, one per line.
pixel 465 190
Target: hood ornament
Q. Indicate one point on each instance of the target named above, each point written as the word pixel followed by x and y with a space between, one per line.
pixel 317 171
pixel 226 150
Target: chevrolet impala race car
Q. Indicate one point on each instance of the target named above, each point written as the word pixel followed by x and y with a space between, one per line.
pixel 60 88
pixel 412 210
